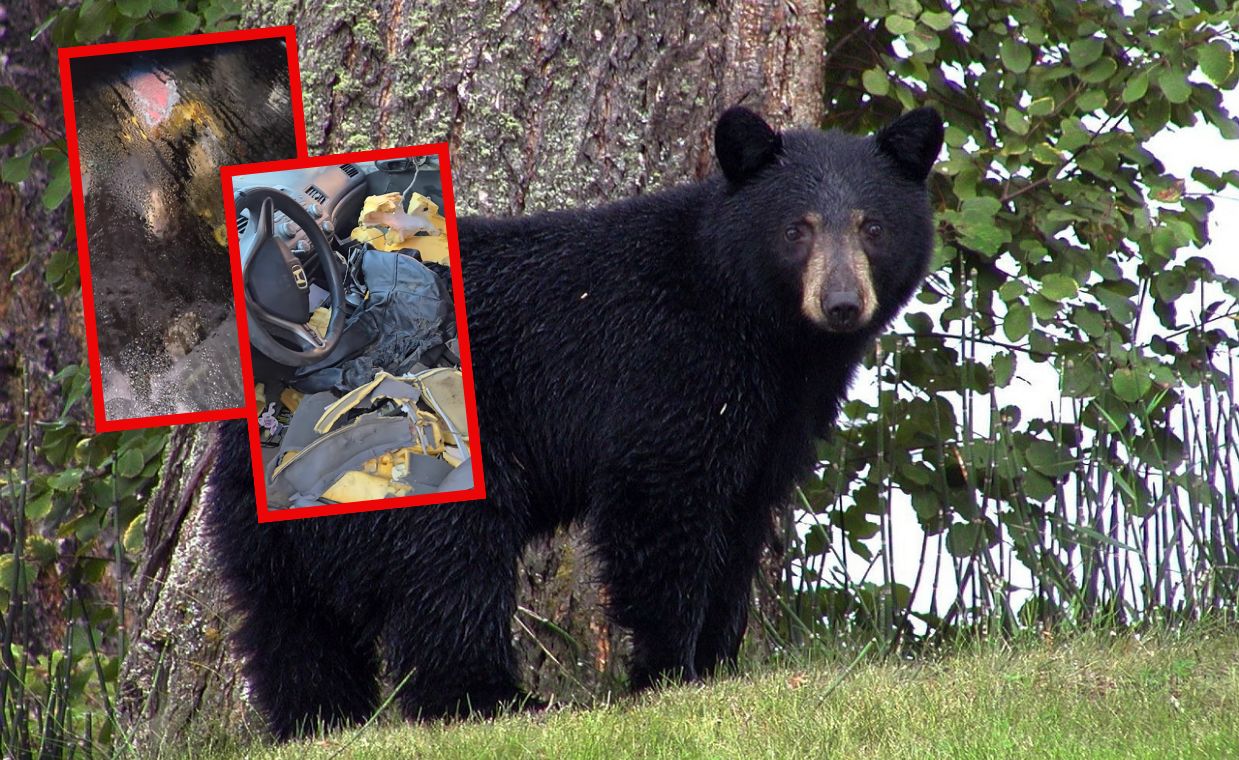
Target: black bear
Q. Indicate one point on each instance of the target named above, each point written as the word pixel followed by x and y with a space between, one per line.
pixel 656 369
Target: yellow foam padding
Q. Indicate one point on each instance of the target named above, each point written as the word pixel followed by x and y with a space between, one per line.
pixel 445 386
pixel 291 399
pixel 362 486
pixel 430 440
pixel 394 465
pixel 432 247
pixel 319 320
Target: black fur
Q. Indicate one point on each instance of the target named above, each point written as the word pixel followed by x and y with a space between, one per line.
pixel 641 368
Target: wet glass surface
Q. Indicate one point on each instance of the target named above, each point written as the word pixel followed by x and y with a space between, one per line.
pixel 153 130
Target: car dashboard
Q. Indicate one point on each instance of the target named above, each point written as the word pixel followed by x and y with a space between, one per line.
pixel 332 195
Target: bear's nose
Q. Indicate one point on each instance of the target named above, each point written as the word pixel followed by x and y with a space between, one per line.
pixel 842 310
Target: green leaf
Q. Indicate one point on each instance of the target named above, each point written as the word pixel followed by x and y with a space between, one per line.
pixel 1217 60
pixel 170 25
pixel 58 187
pixel 876 82
pixel 1015 120
pixel 1011 290
pixel 39 507
pixel 981 208
pixel 1074 135
pixel 57 264
pixel 1042 308
pixel 94 19
pixel 134 8
pixel 1017 323
pixel 1041 106
pixel 1121 308
pixel 1136 87
pixel 1090 320
pixel 963 539
pixel 939 21
pixel 17 168
pixel 985 238
pixel 1173 84
pixel 130 463
pixel 1100 71
pixel 919 322
pixel 1085 51
pixel 13 104
pixel 1048 458
pixel 135 534
pixel 928 506
pixel 1058 287
pixel 14 135
pixel 1016 56
pixel 1091 100
pixel 66 480
pixel 1130 385
pixel 1004 369
pixel 906 8
pixel 900 25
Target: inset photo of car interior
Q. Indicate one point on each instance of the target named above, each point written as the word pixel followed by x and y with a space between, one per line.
pixel 359 376
pixel 149 125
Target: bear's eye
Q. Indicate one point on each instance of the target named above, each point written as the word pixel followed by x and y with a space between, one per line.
pixel 872 230
pixel 795 232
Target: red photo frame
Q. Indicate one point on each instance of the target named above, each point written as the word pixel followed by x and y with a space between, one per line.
pixel 478 491
pixel 68 54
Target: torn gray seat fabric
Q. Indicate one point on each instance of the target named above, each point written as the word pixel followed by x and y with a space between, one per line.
pixel 459 479
pixel 300 432
pixel 322 462
pixel 406 314
pixel 382 387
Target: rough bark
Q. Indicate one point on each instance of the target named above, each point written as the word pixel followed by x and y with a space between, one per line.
pixel 544 106
pixel 180 677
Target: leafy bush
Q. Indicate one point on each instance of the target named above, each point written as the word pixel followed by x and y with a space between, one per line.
pixel 1066 250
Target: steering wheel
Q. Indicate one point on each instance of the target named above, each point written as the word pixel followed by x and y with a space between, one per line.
pixel 283 301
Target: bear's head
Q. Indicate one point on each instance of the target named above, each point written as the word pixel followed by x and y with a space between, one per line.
pixel 841 224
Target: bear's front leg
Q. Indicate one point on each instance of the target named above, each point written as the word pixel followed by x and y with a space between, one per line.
pixel 659 555
pixel 731 595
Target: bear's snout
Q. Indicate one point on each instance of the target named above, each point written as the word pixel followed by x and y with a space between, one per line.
pixel 838 293
pixel 842 310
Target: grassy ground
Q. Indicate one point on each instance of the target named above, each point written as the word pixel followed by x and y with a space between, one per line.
pixel 1091 697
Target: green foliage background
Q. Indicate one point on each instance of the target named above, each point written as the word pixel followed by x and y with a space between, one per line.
pixel 75 501
pixel 1064 244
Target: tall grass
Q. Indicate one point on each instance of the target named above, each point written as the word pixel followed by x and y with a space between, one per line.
pixel 54 700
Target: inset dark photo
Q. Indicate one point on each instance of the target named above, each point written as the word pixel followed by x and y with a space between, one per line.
pixel 150 124
pixel 358 380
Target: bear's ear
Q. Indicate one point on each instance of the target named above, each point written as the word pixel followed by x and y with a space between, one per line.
pixel 744 143
pixel 913 141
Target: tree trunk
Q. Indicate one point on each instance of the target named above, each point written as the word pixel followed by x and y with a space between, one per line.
pixel 179 666
pixel 544 106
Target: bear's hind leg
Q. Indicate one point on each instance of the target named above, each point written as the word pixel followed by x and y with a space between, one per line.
pixel 305 667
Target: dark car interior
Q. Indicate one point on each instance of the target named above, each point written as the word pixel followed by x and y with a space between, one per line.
pixel 348 295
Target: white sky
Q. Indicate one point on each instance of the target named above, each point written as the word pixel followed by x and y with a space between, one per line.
pixel 1201 145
